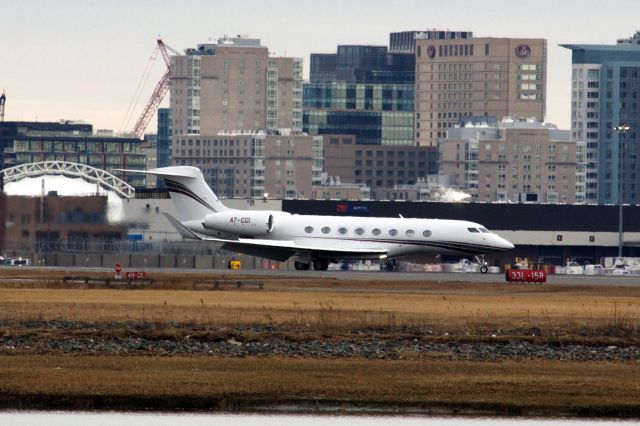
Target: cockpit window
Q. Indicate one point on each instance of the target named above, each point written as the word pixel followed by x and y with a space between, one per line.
pixel 473 230
pixel 484 231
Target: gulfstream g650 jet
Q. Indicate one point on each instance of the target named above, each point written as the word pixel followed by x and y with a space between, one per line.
pixel 314 240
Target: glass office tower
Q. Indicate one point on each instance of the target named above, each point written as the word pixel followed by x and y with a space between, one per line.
pixel 605 94
pixel 364 91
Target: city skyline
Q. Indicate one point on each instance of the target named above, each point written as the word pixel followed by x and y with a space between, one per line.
pixel 66 60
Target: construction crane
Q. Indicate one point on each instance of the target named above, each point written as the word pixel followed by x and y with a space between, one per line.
pixel 3 100
pixel 159 92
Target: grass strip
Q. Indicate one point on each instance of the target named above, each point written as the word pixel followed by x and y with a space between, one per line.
pixel 545 388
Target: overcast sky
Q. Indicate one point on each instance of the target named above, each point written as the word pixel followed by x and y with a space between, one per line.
pixel 82 60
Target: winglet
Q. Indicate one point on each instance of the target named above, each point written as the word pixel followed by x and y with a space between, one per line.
pixel 183 230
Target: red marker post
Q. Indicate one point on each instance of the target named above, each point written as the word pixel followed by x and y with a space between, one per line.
pixel 526 276
pixel 118 268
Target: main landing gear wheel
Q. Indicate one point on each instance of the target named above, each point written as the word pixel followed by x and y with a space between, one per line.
pixel 301 266
pixel 484 269
pixel 321 264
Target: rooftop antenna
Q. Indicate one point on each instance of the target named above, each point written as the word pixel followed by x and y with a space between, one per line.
pixel 3 100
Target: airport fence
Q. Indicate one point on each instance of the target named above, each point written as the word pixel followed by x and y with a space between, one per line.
pixel 194 248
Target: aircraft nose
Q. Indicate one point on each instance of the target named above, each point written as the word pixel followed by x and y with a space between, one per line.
pixel 504 244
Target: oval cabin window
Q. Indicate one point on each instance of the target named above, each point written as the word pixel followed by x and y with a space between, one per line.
pixel 359 231
pixel 375 231
pixel 326 230
pixel 308 229
pixel 393 232
pixel 342 230
pixel 410 233
pixel 426 234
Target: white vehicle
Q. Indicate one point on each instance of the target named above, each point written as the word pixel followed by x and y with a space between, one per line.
pixel 620 271
pixel 595 269
pixel 14 261
pixel 571 268
pixel 310 239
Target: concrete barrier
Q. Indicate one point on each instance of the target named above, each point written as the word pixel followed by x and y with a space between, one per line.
pixel 167 261
pixel 137 261
pixel 185 262
pixel 220 262
pixel 67 259
pixel 203 262
pixel 92 260
pixel 144 261
pixel 110 260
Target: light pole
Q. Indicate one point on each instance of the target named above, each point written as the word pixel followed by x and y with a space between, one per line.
pixel 621 130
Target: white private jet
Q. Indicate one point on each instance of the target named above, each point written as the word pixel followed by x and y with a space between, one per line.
pixel 314 240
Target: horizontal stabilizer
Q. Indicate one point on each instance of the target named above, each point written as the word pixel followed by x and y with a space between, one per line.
pixel 183 230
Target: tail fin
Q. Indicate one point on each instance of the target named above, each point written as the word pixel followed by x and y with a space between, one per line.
pixel 191 196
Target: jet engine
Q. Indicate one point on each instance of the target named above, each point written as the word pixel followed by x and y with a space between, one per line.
pixel 240 222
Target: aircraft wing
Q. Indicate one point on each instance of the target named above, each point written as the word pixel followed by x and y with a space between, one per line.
pixel 279 250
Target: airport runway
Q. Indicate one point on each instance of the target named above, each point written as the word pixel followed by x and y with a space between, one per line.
pixel 444 277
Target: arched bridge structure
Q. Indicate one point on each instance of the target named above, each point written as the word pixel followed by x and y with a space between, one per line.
pixel 67 168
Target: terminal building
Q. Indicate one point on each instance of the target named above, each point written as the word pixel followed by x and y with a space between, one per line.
pixel 544 233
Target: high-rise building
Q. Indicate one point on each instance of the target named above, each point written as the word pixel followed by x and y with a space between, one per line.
pixel 514 160
pixel 355 64
pixel 634 39
pixel 243 165
pixel 405 41
pixel 382 166
pixel 457 78
pixel 164 137
pixel 364 91
pixel 234 85
pixel 605 88
pixel 377 114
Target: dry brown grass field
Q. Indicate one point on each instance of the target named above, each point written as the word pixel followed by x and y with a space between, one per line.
pixel 445 306
pixel 328 309
pixel 522 388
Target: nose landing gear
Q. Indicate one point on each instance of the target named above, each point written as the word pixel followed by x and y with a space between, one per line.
pixel 484 268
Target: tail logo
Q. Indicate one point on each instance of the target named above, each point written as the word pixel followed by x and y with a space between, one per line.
pixel 173 186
